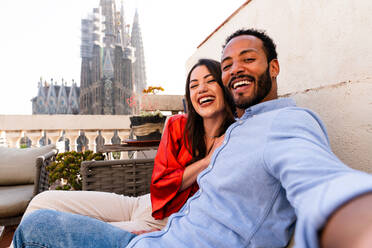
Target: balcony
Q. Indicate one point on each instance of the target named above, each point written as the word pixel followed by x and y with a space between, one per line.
pixel 54 127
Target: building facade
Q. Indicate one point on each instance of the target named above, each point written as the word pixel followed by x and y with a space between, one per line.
pixel 56 99
pixel 112 68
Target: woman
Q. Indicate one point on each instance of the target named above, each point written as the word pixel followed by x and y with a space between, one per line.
pixel 181 156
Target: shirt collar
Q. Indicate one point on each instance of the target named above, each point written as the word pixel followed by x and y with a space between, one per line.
pixel 268 106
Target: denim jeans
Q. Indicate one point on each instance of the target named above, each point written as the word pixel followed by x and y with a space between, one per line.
pixel 49 228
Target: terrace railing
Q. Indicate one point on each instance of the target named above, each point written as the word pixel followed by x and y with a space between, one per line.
pixel 53 127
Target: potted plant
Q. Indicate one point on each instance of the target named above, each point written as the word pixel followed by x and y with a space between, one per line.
pixel 64 173
pixel 149 124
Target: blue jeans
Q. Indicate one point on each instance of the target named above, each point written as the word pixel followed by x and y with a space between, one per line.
pixel 49 228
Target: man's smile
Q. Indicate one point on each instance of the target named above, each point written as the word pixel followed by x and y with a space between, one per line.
pixel 241 80
pixel 241 83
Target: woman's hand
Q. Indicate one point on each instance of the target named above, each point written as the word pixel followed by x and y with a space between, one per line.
pixel 217 142
pixel 192 171
pixel 144 231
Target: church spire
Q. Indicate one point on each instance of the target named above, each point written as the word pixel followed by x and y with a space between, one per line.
pixel 52 99
pixel 139 64
pixel 108 11
pixel 73 105
pixel 118 39
pixel 62 100
pixel 108 68
pixel 41 91
pixel 40 104
pixel 123 31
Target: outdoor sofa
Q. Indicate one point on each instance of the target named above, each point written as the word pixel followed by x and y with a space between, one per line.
pixel 18 180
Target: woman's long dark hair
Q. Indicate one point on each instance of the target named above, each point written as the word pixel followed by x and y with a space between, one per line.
pixel 194 131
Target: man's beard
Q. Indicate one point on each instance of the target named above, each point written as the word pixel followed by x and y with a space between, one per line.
pixel 261 90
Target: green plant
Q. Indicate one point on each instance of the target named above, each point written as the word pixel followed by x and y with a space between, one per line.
pixel 152 113
pixel 64 173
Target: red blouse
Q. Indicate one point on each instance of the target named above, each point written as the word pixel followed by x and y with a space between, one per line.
pixel 170 162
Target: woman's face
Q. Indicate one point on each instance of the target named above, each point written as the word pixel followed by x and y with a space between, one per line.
pixel 205 93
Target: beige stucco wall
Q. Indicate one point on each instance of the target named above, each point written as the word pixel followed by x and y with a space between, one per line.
pixel 325 56
pixel 63 122
pixel 162 102
pixel 346 109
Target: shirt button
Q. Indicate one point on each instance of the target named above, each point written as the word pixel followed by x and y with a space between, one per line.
pixel 201 190
pixel 186 211
pixel 240 122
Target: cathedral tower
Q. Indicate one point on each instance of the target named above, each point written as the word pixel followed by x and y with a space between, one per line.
pixel 139 64
pixel 107 76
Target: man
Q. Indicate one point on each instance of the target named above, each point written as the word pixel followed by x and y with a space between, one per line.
pixel 275 163
pixel 250 68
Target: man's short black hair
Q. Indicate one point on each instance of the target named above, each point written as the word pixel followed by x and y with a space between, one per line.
pixel 268 44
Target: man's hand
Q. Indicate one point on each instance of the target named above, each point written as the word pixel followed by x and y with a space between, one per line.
pixel 350 225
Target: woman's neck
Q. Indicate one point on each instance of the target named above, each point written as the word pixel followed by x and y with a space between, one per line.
pixel 212 126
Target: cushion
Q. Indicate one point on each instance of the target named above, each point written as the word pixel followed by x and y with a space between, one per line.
pixel 14 199
pixel 17 166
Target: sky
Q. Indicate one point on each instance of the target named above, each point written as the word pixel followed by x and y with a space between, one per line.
pixel 41 38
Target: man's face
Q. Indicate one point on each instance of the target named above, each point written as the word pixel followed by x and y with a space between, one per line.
pixel 245 71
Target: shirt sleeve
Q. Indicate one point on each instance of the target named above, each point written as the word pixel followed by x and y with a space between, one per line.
pixel 298 154
pixel 170 162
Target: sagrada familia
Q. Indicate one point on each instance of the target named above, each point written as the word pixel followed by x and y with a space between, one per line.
pixel 112 68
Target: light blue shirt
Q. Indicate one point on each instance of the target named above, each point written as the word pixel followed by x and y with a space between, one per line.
pixel 275 164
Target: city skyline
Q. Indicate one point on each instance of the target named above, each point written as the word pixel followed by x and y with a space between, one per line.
pixel 43 40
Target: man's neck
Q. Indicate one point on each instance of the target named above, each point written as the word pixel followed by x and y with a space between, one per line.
pixel 240 112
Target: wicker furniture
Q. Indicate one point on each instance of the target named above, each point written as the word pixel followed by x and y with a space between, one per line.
pixel 42 180
pixel 130 177
pixel 142 148
pixel 22 194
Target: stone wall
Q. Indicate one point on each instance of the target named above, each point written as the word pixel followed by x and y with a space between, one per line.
pixel 325 57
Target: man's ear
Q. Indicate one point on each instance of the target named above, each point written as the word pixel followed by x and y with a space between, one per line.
pixel 274 68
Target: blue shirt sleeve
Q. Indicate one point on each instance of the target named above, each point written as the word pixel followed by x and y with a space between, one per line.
pixel 298 154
